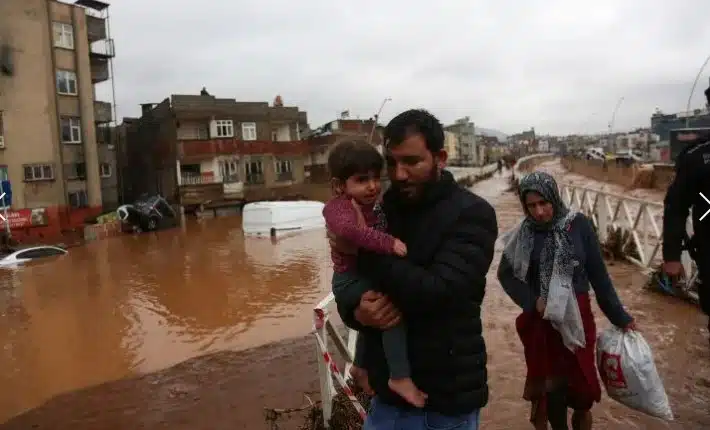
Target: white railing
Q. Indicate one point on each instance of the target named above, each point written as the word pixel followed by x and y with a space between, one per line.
pixel 325 330
pixel 642 219
pixel 198 179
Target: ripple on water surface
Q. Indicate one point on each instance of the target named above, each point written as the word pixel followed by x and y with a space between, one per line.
pixel 140 303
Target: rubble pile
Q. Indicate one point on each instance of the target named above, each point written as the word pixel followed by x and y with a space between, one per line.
pixel 619 244
pixel 344 416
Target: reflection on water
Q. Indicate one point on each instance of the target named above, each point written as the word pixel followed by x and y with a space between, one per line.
pixel 139 303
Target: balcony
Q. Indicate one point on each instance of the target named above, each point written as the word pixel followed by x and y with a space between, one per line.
pixel 103 135
pixel 99 70
pixel 95 28
pixel 213 147
pixel 102 49
pixel 209 189
pixel 102 112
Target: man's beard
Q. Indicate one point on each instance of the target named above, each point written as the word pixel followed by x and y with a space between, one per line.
pixel 413 191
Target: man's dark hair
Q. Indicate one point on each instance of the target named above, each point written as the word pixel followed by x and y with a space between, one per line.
pixel 354 157
pixel 412 122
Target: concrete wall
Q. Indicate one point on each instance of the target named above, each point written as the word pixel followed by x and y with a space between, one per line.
pixel 658 177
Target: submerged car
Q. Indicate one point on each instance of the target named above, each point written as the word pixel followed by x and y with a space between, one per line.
pixel 26 254
pixel 149 213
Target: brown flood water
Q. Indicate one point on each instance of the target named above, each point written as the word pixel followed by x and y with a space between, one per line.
pixel 136 304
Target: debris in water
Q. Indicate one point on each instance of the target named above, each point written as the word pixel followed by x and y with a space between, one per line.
pixel 619 244
pixel 344 415
pixel 659 282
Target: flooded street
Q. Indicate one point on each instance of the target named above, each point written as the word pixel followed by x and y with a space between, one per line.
pixel 135 305
pixel 132 305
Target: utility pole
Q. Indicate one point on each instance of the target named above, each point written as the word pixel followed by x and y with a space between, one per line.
pixel 377 118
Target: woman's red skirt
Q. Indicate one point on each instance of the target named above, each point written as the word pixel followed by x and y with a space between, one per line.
pixel 550 363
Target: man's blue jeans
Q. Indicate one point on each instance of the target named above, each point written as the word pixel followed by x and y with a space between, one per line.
pixel 386 417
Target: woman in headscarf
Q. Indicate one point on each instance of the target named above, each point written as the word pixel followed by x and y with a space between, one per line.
pixel 548 262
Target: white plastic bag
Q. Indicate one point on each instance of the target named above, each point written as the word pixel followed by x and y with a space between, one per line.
pixel 626 367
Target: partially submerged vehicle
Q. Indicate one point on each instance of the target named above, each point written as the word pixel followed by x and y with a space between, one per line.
pixel 148 213
pixel 271 219
pixel 595 153
pixel 24 255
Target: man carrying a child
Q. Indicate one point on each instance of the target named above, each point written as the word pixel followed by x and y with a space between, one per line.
pixel 433 283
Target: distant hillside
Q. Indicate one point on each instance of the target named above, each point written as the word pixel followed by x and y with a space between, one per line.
pixel 491 133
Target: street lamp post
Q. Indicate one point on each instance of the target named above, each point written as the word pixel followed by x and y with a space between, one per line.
pixel 377 117
pixel 692 90
pixel 613 117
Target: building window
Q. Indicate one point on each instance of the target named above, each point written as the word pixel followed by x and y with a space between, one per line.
pixel 66 82
pixel 63 35
pixel 75 170
pixel 3 173
pixel 229 171
pixel 105 170
pixel 38 172
pixel 78 199
pixel 248 131
pixel 283 169
pixel 71 130
pixel 255 172
pixel 225 128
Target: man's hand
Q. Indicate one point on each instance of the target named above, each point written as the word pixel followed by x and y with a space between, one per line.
pixel 375 310
pixel 340 245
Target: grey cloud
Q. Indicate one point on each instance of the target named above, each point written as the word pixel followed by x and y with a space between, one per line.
pixel 508 64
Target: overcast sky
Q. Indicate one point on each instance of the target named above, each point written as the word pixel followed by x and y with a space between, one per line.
pixel 557 65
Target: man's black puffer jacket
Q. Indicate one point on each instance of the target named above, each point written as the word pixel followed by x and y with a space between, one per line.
pixel 439 287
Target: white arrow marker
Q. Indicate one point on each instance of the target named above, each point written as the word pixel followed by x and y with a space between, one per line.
pixel 2 217
pixel 701 195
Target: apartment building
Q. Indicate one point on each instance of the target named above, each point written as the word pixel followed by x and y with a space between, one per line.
pixel 451 146
pixel 465 131
pixel 204 150
pixel 51 126
pixel 325 137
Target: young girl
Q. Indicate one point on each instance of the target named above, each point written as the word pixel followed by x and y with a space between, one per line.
pixel 355 169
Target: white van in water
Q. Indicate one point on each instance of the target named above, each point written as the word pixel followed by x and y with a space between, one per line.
pixel 279 218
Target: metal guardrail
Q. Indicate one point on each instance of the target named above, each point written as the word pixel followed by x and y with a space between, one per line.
pixel 642 219
pixel 325 331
